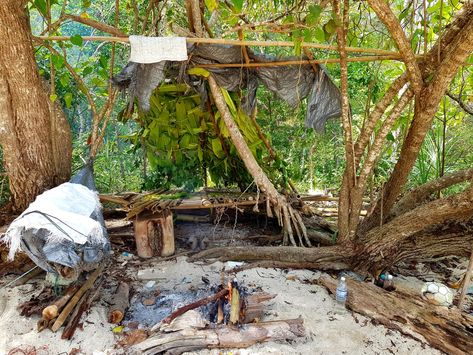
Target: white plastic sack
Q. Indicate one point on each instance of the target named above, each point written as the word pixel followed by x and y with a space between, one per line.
pixel 63 215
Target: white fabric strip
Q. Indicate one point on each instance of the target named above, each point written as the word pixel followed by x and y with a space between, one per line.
pixel 156 49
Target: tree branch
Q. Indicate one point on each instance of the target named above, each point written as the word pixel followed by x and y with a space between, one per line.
pixel 418 196
pixel 456 52
pixel 384 13
pixel 349 179
pixel 378 111
pixel 96 24
pixel 468 108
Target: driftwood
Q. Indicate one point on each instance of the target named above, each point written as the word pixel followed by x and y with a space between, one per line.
pixel 74 300
pixel 222 337
pixel 120 303
pixel 83 305
pixel 52 311
pixel 326 258
pixel 448 330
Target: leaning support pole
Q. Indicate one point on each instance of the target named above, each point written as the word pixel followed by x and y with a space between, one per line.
pixel 283 210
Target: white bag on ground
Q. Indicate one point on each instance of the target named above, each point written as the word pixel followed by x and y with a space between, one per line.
pixel 63 225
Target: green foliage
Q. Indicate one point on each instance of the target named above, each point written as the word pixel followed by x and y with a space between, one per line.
pixel 179 139
pixel 182 141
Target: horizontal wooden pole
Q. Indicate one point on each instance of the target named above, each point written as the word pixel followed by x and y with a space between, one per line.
pixel 297 62
pixel 233 42
pixel 391 54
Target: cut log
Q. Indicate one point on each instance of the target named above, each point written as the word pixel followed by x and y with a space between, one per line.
pixel 120 303
pixel 224 337
pixel 448 330
pixel 154 234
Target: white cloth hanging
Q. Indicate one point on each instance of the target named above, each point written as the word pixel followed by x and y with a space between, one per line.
pixel 156 49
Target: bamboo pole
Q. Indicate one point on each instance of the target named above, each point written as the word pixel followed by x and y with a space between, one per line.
pixel 392 55
pixel 233 42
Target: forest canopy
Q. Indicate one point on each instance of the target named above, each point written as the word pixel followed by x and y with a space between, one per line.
pixel 403 69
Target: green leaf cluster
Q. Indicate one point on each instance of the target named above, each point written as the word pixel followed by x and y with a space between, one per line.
pixel 186 144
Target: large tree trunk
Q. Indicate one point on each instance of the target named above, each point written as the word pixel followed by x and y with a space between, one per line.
pixel 34 133
pixel 455 52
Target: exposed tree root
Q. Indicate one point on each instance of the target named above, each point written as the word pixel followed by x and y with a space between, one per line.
pixel 288 218
pixel 420 194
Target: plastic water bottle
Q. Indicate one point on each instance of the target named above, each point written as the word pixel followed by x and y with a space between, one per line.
pixel 389 283
pixel 341 295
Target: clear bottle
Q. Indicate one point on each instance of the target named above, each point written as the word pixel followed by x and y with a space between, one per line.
pixel 341 295
pixel 389 283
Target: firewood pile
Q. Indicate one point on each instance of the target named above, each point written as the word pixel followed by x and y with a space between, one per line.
pixel 66 309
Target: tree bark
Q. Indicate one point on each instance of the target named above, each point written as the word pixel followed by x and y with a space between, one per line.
pixel 348 182
pixel 34 134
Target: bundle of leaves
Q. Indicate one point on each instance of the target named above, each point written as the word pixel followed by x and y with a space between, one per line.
pixel 187 141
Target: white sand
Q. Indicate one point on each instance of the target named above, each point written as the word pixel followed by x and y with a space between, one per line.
pixel 327 333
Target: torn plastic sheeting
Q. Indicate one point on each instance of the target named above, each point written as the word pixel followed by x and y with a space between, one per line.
pixel 324 102
pixel 290 83
pixel 64 225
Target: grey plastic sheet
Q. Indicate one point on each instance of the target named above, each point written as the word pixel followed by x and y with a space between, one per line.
pixel 291 83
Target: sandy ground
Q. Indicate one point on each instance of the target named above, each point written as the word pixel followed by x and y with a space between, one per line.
pixel 326 332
